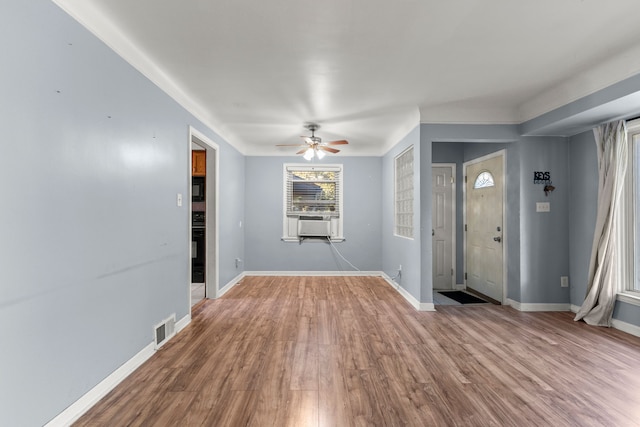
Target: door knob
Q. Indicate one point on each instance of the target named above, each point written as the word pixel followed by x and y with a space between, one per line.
pixel 497 239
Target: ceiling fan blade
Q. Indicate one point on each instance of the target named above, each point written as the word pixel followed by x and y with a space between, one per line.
pixel 302 151
pixel 329 149
pixel 339 142
pixel 291 145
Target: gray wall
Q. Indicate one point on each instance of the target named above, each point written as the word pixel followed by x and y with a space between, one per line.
pixel 265 251
pixel 583 166
pixel 94 250
pixel 583 180
pixel 461 152
pixel 476 141
pixel 231 212
pixel 544 244
pixel 538 244
pixel 396 250
pixel 628 313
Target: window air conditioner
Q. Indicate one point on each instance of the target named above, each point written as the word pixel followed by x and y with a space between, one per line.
pixel 314 228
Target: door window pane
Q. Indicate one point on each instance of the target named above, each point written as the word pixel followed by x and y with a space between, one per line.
pixel 484 180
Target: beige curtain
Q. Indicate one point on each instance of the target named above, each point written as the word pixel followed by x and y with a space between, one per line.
pixel 611 143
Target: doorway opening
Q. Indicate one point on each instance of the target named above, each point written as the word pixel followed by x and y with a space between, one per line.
pixel 203 217
pixel 484 225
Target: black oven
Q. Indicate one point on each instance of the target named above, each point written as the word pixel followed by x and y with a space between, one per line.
pixel 197 254
pixel 198 189
pixel 198 219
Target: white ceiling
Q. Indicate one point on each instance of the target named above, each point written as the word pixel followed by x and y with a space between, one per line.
pixel 367 70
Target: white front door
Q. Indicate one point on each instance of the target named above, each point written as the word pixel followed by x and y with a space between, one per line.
pixel 484 225
pixel 442 216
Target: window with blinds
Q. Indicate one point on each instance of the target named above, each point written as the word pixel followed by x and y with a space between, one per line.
pixel 404 193
pixel 312 193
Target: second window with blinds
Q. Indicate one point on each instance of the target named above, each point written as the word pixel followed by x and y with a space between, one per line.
pixel 312 202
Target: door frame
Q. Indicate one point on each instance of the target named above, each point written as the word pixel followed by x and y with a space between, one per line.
pixel 503 153
pixel 211 278
pixel 454 261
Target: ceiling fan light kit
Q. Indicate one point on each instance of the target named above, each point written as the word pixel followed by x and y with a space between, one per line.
pixel 310 153
pixel 313 146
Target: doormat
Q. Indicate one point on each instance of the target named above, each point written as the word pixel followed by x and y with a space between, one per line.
pixel 463 297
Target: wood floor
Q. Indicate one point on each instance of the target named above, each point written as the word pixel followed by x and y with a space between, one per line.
pixel 349 351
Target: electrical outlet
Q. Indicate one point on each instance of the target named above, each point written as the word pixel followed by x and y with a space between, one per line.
pixel 400 267
pixel 564 281
pixel 238 261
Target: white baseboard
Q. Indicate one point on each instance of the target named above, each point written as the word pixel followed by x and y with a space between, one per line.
pixel 460 287
pixel 230 285
pixel 182 323
pixel 425 306
pixel 420 306
pixel 82 405
pixel 617 324
pixel 538 306
pixel 626 327
pixel 406 295
pixel 313 273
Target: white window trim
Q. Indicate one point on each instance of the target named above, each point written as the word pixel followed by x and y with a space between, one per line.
pixel 286 237
pixel 626 229
pixel 629 297
pixel 395 194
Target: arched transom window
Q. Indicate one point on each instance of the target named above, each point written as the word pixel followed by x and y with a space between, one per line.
pixel 484 180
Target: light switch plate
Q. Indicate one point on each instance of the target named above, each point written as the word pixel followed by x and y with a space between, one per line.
pixel 179 199
pixel 543 207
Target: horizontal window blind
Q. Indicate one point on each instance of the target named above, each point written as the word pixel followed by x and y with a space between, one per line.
pixel 313 190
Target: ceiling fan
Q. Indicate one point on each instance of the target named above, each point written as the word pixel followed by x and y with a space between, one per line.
pixel 313 146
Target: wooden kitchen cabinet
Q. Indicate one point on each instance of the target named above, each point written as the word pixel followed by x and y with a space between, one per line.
pixel 198 163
